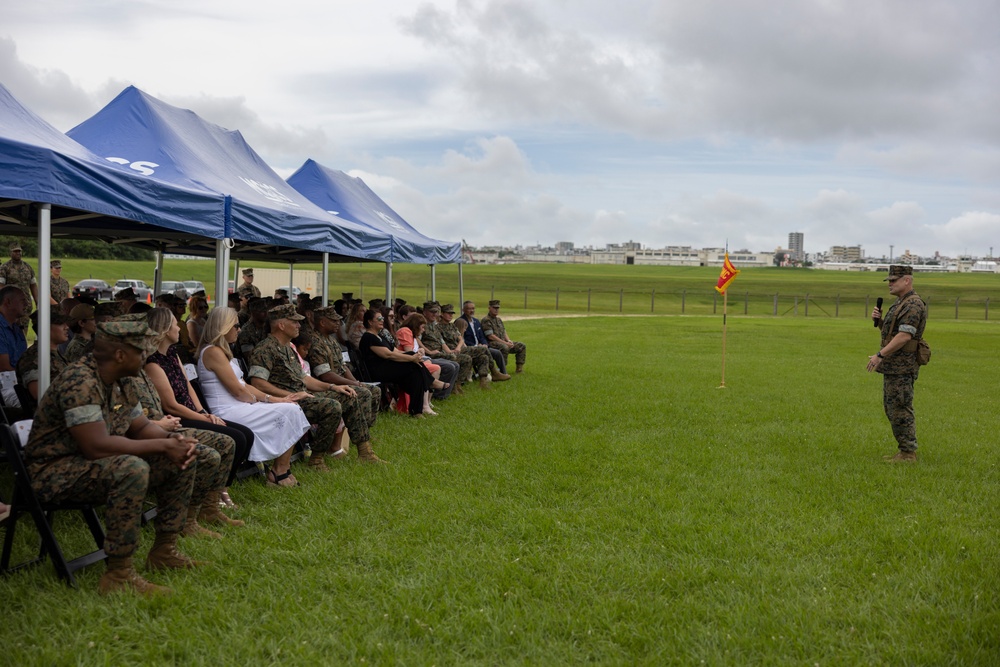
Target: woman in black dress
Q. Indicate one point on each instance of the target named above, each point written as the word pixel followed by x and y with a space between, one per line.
pixel 392 366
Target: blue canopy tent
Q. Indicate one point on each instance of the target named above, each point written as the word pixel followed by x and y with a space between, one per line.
pixel 264 215
pixel 350 198
pixel 52 186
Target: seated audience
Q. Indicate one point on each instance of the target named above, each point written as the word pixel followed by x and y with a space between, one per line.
pixel 276 370
pixel 474 336
pixel 408 340
pixel 198 309
pixel 351 333
pixel 454 339
pixel 387 365
pixel 435 347
pixel 91 443
pixel 83 325
pixel 179 399
pixel 497 338
pixel 277 423
pixel 326 359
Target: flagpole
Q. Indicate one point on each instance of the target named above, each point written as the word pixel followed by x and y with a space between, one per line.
pixel 725 307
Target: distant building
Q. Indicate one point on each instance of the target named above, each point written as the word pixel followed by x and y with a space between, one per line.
pixel 796 244
pixel 564 246
pixel 842 253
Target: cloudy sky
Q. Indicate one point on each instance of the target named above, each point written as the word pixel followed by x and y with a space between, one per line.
pixel 667 122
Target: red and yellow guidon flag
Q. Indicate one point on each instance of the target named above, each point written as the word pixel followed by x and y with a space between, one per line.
pixel 728 275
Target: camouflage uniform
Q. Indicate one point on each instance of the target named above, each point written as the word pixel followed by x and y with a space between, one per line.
pixel 250 337
pixel 20 274
pixel 433 339
pixel 493 326
pixel 248 291
pixel 279 364
pixel 479 356
pixel 900 369
pixel 214 452
pixel 326 355
pixel 60 289
pixel 78 348
pixel 27 365
pixel 60 473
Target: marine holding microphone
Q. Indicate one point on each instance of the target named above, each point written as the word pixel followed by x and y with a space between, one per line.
pixel 902 329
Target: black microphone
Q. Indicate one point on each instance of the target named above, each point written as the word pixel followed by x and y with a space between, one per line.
pixel 878 305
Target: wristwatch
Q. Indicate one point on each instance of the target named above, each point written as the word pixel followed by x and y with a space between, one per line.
pixel 879 354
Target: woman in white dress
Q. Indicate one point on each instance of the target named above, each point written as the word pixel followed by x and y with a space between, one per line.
pixel 277 423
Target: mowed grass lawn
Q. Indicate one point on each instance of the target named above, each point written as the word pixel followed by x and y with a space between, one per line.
pixel 610 506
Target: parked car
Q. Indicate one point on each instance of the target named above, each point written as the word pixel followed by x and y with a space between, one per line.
pixel 95 289
pixel 142 291
pixel 293 293
pixel 174 287
pixel 193 286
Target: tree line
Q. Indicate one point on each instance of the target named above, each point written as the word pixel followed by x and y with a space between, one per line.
pixel 79 249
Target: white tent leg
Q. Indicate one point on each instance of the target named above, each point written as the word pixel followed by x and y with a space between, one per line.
pixel 433 283
pixel 461 286
pixel 388 284
pixel 44 296
pixel 326 279
pixel 222 247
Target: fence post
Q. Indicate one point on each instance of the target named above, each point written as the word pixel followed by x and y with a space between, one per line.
pixel 775 304
pixel 796 305
pixel 526 297
pixel 987 308
pixel 684 294
pixel 652 302
pixel 715 302
pixel 557 298
pixel 956 307
pixel 746 303
pixel 837 313
pixel 807 304
pixel 588 299
pixel 621 300
pixel 362 296
pixel 867 304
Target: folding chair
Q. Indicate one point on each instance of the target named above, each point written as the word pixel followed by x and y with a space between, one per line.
pixel 27 401
pixel 26 502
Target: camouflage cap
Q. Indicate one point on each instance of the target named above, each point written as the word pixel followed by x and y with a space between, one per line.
pixel 448 308
pixel 285 312
pixel 55 264
pixel 282 292
pixel 397 302
pixel 134 333
pixel 15 245
pixel 347 296
pixel 494 303
pixel 376 303
pixel 248 272
pixel 126 294
pixel 130 317
pixel 898 271
pixel 329 313
pixel 81 311
pixel 257 304
pixel 432 305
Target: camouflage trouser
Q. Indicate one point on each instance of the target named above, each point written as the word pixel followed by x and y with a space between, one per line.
pixel 463 360
pixel 354 410
pixel 214 453
pixel 325 414
pixel 897 399
pixel 519 349
pixel 371 401
pixel 120 483
pixel 481 358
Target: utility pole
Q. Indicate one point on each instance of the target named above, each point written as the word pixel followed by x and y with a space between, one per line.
pixel 890 254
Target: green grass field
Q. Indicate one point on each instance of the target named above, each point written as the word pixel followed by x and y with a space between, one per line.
pixel 614 289
pixel 610 506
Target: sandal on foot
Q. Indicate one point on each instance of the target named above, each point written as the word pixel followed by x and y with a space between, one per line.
pixel 226 501
pixel 274 479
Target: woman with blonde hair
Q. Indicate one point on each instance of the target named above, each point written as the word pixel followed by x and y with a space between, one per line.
pixel 277 423
pixel 178 397
pixel 354 327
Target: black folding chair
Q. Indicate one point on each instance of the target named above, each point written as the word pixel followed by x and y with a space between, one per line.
pixel 26 502
pixel 27 401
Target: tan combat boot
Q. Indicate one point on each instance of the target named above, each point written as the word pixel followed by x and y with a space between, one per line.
pixel 519 369
pixel 122 577
pixel 211 514
pixel 193 529
pixel 457 389
pixel 165 556
pixel 901 457
pixel 498 376
pixel 484 383
pixel 366 455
